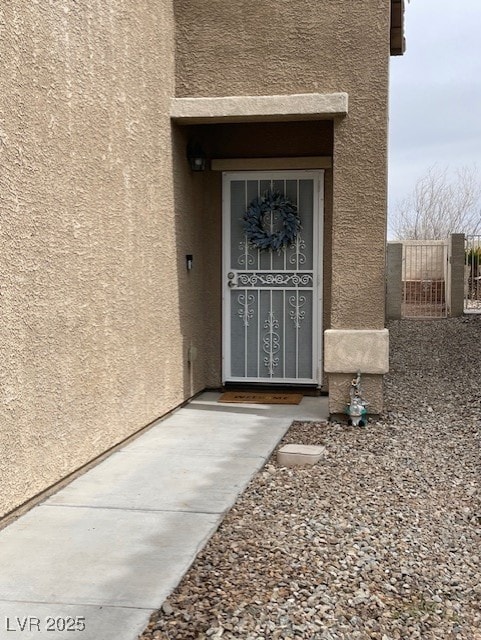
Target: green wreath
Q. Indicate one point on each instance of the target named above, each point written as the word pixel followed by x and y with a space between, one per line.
pixel 271 202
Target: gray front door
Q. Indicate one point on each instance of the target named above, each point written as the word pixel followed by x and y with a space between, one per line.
pixel 271 298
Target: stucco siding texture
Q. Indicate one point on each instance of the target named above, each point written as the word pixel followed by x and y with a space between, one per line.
pixel 284 47
pixel 92 334
pixel 277 47
pixel 98 207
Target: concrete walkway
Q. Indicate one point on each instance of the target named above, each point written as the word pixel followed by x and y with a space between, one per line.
pixel 94 560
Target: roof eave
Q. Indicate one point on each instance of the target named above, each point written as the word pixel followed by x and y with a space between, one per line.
pixel 397 39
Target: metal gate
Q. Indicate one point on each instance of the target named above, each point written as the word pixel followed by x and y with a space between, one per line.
pixel 424 281
pixel 472 274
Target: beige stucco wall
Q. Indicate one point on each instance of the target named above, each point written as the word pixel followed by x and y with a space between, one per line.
pixel 283 47
pixel 94 332
pixel 98 207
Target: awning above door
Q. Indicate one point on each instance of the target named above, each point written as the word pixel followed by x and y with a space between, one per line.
pixel 302 106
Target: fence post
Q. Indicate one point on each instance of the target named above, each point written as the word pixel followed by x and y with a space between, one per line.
pixel 456 275
pixel 394 280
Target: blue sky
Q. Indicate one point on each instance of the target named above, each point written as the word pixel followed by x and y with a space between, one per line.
pixel 435 93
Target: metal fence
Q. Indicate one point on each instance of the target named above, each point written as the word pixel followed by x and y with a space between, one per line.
pixel 424 282
pixel 472 274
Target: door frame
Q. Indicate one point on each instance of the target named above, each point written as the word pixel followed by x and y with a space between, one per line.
pixel 318 227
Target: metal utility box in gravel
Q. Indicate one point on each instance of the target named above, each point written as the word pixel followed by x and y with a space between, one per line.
pixel 300 455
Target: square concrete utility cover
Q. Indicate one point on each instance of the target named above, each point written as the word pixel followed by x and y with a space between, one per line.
pixel 298 455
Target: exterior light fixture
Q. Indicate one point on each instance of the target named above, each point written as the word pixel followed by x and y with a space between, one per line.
pixel 196 156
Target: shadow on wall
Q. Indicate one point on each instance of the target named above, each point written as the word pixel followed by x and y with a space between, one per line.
pixel 198 233
pixel 198 227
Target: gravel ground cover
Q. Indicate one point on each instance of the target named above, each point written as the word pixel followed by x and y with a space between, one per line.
pixel 380 540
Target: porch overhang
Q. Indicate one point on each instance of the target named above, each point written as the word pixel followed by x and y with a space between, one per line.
pixel 302 106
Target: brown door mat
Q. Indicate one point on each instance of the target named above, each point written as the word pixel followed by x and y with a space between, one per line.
pixel 260 398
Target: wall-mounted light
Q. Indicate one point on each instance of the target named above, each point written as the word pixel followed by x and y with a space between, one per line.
pixel 196 156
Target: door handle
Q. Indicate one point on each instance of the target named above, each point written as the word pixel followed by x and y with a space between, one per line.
pixel 231 282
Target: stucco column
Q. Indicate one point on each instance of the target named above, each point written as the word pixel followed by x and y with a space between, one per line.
pixel 359 240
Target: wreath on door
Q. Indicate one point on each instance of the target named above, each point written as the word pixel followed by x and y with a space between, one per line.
pixel 277 206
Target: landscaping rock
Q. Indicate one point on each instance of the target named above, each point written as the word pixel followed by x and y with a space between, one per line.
pixel 382 542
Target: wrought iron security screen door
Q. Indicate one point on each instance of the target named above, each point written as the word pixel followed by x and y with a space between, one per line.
pixel 272 306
